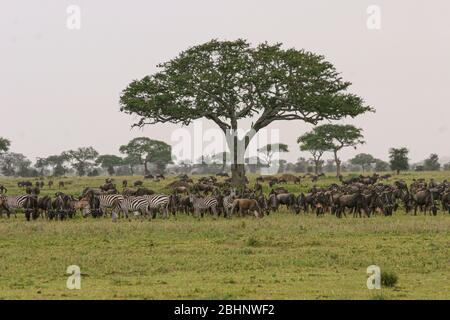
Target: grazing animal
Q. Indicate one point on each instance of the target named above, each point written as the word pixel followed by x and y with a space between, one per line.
pixel 243 206
pixel 130 204
pixel 158 202
pixel 201 205
pixel 26 202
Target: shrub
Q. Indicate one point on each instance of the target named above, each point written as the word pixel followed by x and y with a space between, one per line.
pixel 389 279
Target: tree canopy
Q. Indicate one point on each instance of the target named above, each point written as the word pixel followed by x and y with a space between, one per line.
pixel 335 137
pixel 4 145
pixel 226 81
pixel 316 145
pixel 147 150
pixel 363 159
pixel 398 158
pixel 432 163
pixel 82 159
pixel 108 162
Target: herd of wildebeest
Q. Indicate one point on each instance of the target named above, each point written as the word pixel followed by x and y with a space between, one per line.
pixel 360 196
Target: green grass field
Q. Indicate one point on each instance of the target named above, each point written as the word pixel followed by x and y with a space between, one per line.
pixel 282 256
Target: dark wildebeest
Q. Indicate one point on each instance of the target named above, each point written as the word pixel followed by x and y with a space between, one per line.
pixel 124 184
pixel 60 184
pixel 50 184
pixel 355 202
pixel 138 183
pixel 425 200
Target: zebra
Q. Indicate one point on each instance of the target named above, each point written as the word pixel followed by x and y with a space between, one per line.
pixel 202 204
pixel 19 202
pixel 157 202
pixel 228 202
pixel 101 202
pixel 130 204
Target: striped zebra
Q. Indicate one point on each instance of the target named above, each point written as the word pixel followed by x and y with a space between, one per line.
pixel 130 204
pixel 100 202
pixel 203 204
pixel 158 202
pixel 228 202
pixel 13 203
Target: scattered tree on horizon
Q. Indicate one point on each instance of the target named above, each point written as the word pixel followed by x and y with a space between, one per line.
pixel 364 160
pixel 4 145
pixel 432 163
pixel 381 166
pixel 316 145
pixel 82 159
pixel 147 150
pixel 227 81
pixel 335 137
pixel 399 159
pixel 108 162
pixel 269 150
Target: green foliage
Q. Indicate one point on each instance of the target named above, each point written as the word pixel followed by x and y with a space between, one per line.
pixel 108 162
pixel 381 165
pixel 82 159
pixel 4 145
pixel 226 81
pixel 332 137
pixel 399 159
pixel 363 159
pixel 15 164
pixel 389 279
pixel 432 163
pixel 147 150
pixel 316 144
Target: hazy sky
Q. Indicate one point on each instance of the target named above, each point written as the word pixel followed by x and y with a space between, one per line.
pixel 59 88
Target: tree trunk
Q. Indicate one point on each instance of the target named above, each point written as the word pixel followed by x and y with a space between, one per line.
pixel 316 167
pixel 338 164
pixel 145 168
pixel 237 148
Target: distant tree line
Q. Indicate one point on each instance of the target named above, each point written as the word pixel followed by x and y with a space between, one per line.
pixel 142 152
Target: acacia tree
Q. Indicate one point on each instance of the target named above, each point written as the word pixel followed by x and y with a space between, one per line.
pixel 12 164
pixel 363 159
pixel 432 163
pixel 398 158
pixel 316 145
pixel 108 162
pixel 56 162
pixel 226 81
pixel 82 159
pixel 148 150
pixel 337 137
pixel 268 151
pixel 4 145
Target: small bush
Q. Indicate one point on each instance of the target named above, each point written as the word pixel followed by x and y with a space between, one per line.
pixel 389 279
pixel 252 242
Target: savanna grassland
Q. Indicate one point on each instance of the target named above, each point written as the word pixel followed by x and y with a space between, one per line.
pixel 282 256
